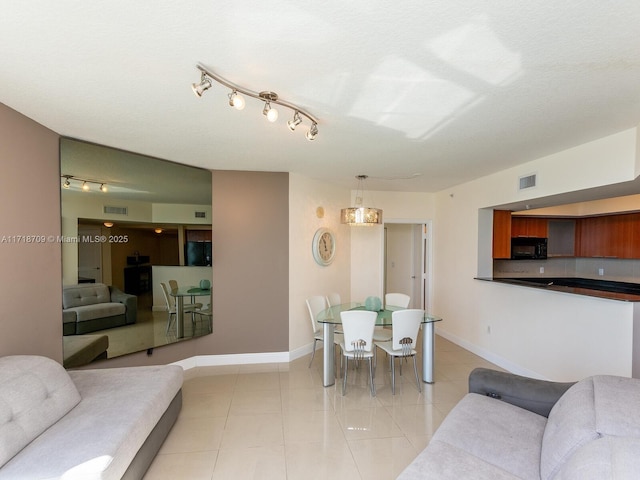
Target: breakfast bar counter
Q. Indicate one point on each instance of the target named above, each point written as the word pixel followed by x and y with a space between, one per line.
pixel 622 291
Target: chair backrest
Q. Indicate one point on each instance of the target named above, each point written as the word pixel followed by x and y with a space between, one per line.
pixel 333 299
pixel 405 324
pixel 358 325
pixel 397 300
pixel 316 304
pixel 167 299
pixel 173 284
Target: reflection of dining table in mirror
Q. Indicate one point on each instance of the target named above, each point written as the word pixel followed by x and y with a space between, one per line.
pixel 330 317
pixel 179 294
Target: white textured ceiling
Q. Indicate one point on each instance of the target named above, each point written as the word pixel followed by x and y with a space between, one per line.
pixel 450 90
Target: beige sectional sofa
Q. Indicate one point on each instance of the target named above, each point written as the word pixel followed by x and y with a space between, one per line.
pixel 87 424
pixel 511 427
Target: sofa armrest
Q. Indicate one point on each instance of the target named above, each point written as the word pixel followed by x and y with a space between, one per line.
pixel 129 301
pixel 537 396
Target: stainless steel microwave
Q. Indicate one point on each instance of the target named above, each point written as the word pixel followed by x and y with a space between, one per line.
pixel 533 248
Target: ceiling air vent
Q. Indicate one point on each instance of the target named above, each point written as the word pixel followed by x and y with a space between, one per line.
pixel 115 210
pixel 201 214
pixel 528 181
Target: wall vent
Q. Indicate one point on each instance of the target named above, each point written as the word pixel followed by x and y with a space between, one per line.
pixel 528 181
pixel 115 210
pixel 201 214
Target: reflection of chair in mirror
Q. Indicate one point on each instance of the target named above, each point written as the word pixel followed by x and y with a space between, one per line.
pixel 315 305
pixel 333 299
pixel 171 307
pixel 173 284
pixel 406 324
pixel 357 344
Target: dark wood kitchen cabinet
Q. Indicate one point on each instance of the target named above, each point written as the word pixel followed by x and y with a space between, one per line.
pixel 609 236
pixel 502 234
pixel 529 227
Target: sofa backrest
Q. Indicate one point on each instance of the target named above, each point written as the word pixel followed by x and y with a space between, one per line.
pixel 594 408
pixel 85 294
pixel 35 392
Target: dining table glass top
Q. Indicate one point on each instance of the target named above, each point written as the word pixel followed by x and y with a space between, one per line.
pixel 332 314
pixel 190 292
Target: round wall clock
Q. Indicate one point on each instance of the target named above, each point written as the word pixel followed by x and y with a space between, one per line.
pixel 323 246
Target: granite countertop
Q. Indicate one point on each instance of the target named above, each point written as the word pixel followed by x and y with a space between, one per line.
pixel 624 291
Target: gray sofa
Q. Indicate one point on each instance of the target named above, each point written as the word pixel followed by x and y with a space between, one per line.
pixel 87 424
pixel 88 307
pixel 512 427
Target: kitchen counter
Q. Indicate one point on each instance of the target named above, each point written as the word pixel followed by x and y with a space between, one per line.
pixel 623 291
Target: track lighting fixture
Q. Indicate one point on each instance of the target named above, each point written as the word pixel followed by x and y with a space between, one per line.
pixel 203 86
pixel 84 184
pixel 312 133
pixel 269 98
pixel 292 124
pixel 236 100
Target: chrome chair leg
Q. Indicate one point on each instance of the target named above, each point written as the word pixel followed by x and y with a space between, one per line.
pixel 415 370
pixel 314 351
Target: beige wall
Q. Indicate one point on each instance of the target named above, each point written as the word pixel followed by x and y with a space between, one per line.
pixel 30 278
pixel 307 278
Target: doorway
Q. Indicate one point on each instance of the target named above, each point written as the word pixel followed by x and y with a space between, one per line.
pixel 406 261
pixel 89 254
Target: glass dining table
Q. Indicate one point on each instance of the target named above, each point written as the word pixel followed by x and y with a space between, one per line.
pixel 330 317
pixel 179 294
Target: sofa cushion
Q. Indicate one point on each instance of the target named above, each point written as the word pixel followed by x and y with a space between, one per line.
pixel 100 310
pixel 594 407
pixel 482 434
pixel 607 458
pixel 35 392
pixel 99 438
pixel 85 294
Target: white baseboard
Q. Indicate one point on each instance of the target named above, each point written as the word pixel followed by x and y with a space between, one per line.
pixel 245 358
pixel 490 356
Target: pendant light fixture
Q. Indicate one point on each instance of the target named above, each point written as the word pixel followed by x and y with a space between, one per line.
pixel 359 215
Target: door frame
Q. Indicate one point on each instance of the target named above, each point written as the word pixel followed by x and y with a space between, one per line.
pixel 427 260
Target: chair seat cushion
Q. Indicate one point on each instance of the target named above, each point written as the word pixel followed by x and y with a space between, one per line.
pixel 388 347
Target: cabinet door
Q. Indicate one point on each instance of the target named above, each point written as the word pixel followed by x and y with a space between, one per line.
pixel 501 234
pixel 529 227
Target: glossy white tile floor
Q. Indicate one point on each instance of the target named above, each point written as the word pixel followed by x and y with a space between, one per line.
pixel 277 421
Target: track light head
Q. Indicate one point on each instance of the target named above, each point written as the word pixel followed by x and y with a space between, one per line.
pixel 312 133
pixel 236 100
pixel 203 86
pixel 66 183
pixel 292 124
pixel 85 187
pixel 271 113
pixel 103 188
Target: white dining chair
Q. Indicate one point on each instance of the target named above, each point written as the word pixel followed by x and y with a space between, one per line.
pixel 333 299
pixel 357 341
pixel 171 307
pixel 406 324
pixel 315 305
pixel 397 300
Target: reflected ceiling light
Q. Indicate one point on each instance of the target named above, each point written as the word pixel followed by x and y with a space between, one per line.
pixel 236 100
pixel 292 124
pixel 268 97
pixel 359 215
pixel 108 224
pixel 158 230
pixel 84 183
pixel 203 86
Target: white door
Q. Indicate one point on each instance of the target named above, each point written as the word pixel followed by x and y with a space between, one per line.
pixel 89 253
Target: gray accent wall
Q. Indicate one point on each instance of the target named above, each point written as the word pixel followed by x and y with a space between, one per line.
pixel 30 272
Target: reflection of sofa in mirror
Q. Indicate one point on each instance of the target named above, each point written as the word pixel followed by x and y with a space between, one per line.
pixel 89 307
